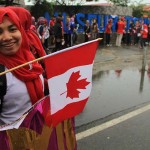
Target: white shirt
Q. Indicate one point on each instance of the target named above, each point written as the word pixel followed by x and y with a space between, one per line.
pixel 16 101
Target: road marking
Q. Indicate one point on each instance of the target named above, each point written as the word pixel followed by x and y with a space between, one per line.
pixel 111 123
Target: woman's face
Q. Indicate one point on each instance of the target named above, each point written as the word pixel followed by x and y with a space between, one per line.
pixel 10 37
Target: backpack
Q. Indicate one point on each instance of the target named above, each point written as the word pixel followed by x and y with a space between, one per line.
pixel 3 86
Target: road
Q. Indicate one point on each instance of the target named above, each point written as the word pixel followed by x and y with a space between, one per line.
pixel 133 132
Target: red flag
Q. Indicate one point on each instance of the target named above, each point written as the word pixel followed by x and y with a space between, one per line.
pixel 69 74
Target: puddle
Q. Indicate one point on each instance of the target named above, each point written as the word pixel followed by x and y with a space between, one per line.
pixel 114 91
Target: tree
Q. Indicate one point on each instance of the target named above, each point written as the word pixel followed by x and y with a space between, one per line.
pixel 137 11
pixel 68 2
pixel 62 2
pixel 8 2
pixel 40 7
pixel 121 2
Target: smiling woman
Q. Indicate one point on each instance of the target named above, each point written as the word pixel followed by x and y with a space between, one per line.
pixel 10 37
pixel 24 85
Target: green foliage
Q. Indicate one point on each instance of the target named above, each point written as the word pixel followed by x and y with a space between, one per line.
pixel 8 2
pixel 121 2
pixel 138 11
pixel 40 8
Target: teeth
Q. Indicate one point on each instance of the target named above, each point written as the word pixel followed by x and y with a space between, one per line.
pixel 8 45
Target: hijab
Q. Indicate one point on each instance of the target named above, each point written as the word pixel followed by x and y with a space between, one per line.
pixel 26 21
pixel 30 76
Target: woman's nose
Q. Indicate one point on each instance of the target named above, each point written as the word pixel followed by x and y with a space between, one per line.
pixel 6 36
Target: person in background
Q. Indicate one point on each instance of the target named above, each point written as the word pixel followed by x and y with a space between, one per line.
pixel 51 26
pixel 94 29
pixel 71 29
pixel 138 33
pixel 33 24
pixel 149 34
pixel 66 33
pixel 58 35
pixel 87 31
pixel 43 32
pixel 120 30
pixel 108 31
pixel 126 34
pixel 75 28
pixel 60 17
pixel 144 35
pixel 132 32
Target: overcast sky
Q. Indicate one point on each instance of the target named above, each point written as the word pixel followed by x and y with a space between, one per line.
pixel 143 1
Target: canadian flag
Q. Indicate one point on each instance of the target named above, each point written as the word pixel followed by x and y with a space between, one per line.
pixel 69 74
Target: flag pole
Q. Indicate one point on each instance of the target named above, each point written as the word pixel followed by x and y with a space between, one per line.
pixel 25 64
pixel 38 59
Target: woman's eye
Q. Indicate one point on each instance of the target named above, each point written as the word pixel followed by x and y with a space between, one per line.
pixel 1 31
pixel 13 29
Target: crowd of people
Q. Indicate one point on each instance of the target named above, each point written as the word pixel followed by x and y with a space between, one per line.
pixel 53 32
pixel 138 33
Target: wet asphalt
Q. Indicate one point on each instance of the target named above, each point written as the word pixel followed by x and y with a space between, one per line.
pixel 131 134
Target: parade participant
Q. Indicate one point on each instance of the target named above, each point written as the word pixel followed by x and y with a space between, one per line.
pixel 108 32
pixel 120 30
pixel 24 85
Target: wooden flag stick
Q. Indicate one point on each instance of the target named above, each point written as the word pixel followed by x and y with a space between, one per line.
pixel 38 59
pixel 17 67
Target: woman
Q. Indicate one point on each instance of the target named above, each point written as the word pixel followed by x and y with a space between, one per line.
pixel 108 32
pixel 14 51
pixel 138 32
pixel 87 31
pixel 120 30
pixel 58 35
pixel 43 32
pixel 25 88
pixel 95 29
pixel 144 36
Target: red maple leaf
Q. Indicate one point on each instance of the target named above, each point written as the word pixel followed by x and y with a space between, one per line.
pixel 74 84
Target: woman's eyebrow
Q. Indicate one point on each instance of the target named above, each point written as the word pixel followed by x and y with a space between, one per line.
pixel 12 25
